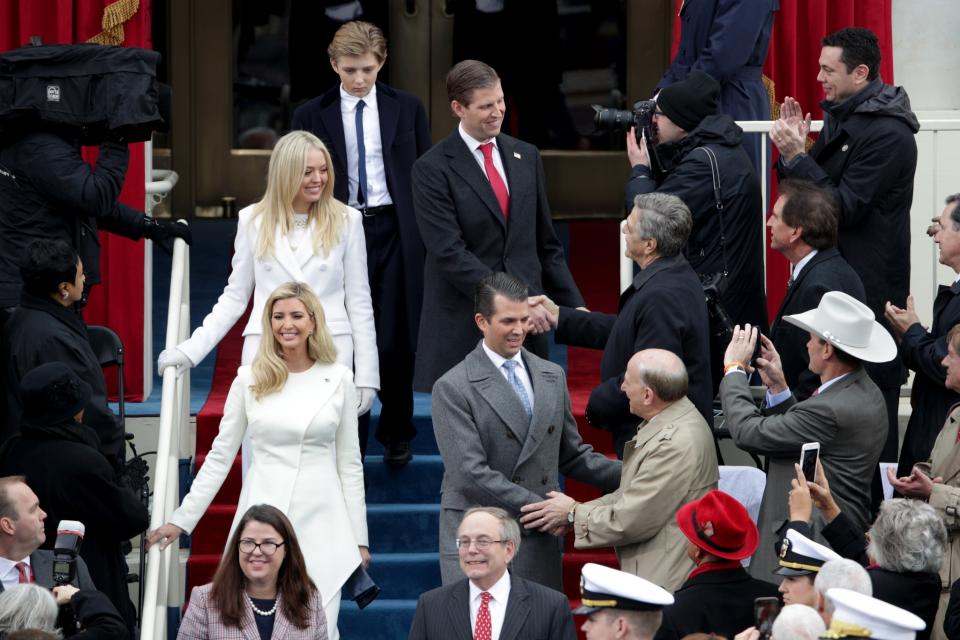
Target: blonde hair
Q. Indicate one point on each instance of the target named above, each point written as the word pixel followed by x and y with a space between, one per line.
pixel 356 39
pixel 269 370
pixel 285 175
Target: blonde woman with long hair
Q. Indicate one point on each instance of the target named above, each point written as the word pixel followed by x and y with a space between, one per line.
pixel 297 405
pixel 296 232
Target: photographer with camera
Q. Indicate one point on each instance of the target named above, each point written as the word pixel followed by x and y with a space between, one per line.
pixel 34 608
pixel 701 160
pixel 74 481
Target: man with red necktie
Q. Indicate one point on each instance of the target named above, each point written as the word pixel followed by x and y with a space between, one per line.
pixel 491 603
pixel 480 200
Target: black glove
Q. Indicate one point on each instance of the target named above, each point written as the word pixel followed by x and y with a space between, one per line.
pixel 164 232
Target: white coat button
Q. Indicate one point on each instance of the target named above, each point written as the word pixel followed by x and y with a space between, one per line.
pixel 323 267
pixel 267 267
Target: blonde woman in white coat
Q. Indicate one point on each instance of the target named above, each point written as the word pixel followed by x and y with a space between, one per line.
pixel 297 405
pixel 298 233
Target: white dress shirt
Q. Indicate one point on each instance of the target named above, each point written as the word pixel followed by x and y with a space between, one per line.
pixel 499 593
pixel 474 145
pixel 521 370
pixel 377 193
pixel 801 264
pixel 9 574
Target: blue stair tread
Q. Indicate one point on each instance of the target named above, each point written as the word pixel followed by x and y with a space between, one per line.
pixel 418 481
pixel 380 604
pixel 383 619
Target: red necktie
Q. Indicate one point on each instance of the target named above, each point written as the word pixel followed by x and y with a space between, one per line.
pixel 816 392
pixel 26 576
pixel 484 629
pixel 496 181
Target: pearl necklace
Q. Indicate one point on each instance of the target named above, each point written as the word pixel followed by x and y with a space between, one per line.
pixel 263 613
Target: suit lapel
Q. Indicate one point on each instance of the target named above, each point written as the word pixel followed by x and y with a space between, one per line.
pixel 284 255
pixel 388 110
pixel 520 185
pixel 644 276
pixel 333 122
pixel 517 611
pixel 464 165
pixel 544 385
pixel 497 392
pixel 281 624
pixel 459 610
pixel 248 627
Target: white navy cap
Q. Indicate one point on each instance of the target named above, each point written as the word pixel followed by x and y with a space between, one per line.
pixel 801 556
pixel 605 588
pixel 859 616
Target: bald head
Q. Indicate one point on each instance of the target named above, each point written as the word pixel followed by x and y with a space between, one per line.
pixel 655 379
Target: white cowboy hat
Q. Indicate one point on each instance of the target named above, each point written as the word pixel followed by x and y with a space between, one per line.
pixel 848 325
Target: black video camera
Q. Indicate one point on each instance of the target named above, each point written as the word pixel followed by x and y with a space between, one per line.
pixel 641 119
pixel 65 551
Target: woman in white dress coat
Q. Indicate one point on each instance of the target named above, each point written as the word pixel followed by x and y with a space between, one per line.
pixel 297 404
pixel 297 232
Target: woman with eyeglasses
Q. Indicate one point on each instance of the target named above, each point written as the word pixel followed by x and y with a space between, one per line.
pixel 261 588
pixel 298 407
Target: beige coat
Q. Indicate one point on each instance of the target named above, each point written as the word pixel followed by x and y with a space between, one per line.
pixel 671 461
pixel 945 498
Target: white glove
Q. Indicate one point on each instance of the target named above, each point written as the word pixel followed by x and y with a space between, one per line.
pixel 366 396
pixel 174 358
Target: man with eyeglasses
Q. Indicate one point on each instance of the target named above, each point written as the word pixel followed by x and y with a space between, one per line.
pixel 702 161
pixel 491 602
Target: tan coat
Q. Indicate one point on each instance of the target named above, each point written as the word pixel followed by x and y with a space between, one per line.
pixel 671 461
pixel 945 498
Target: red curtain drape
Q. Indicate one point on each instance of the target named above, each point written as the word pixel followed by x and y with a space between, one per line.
pixel 792 64
pixel 119 301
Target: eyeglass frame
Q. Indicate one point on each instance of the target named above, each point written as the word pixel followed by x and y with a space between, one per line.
pixel 480 543
pixel 258 546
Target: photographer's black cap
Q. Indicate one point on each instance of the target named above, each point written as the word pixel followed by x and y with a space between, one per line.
pixel 691 100
pixel 53 393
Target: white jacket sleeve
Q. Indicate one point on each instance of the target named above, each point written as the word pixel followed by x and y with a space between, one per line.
pixel 232 302
pixel 359 307
pixel 349 465
pixel 219 459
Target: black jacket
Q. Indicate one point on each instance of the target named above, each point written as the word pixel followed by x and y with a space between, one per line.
pixel 867 155
pixel 74 481
pixel 690 178
pixel 923 351
pixel 405 136
pixel 663 309
pixel 48 192
pixel 718 602
pixel 40 331
pixel 918 593
pixel 97 617
pixel 826 271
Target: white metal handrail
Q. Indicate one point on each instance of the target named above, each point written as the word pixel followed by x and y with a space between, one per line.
pixel 162 566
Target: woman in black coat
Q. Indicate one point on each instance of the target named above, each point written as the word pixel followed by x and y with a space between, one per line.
pixel 73 481
pixel 47 327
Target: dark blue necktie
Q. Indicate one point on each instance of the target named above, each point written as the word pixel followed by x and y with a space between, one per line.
pixel 362 159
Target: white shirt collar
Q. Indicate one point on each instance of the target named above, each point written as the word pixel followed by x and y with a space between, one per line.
pixel 348 101
pixel 498 359
pixel 7 566
pixel 500 591
pixel 802 263
pixel 472 143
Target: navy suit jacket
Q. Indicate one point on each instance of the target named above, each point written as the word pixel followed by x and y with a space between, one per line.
pixel 826 271
pixel 405 136
pixel 533 611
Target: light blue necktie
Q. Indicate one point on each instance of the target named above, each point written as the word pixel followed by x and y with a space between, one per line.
pixel 511 367
pixel 362 161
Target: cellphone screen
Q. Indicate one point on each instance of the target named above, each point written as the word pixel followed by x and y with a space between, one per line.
pixel 765 611
pixel 808 462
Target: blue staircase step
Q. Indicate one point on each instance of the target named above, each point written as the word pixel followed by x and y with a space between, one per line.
pixel 418 481
pixel 424 442
pixel 383 619
pixel 405 575
pixel 403 528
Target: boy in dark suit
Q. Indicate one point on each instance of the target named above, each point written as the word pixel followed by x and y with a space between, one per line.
pixel 375 133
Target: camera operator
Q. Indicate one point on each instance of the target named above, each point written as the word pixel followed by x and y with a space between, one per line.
pixel 73 479
pixel 28 606
pixel 48 192
pixel 698 148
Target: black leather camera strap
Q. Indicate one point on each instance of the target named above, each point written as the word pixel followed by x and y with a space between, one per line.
pixel 715 174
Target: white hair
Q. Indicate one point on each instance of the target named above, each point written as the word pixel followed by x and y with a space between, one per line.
pixel 797 622
pixel 907 536
pixel 844 573
pixel 27 606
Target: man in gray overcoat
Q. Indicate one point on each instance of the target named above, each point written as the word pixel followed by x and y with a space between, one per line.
pixel 505 431
pixel 844 414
